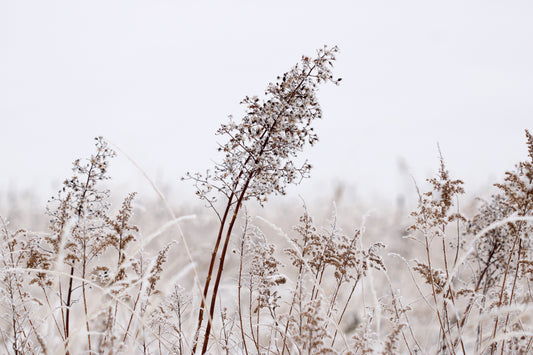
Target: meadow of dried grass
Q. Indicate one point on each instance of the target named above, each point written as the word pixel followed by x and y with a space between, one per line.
pixel 142 277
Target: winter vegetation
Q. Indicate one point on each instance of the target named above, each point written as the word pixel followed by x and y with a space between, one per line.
pixel 107 278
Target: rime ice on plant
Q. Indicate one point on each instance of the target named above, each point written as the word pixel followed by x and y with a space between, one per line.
pixel 20 326
pixel 504 256
pixel 260 149
pixel 78 227
pixel 264 274
pixel 432 217
pixel 77 215
pixel 434 206
pixel 259 155
pixel 87 256
pixel 326 267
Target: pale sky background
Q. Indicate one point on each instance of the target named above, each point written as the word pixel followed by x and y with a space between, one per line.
pixel 158 77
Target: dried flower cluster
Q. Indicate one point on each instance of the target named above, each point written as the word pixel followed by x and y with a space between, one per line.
pixel 326 267
pixel 259 157
pixel 494 273
pixel 260 152
pixel 503 257
pixel 84 256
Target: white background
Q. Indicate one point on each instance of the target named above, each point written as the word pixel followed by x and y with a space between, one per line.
pixel 158 77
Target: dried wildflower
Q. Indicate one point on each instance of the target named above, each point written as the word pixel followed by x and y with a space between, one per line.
pixel 365 339
pixel 260 151
pixel 435 277
pixel 329 248
pixel 493 247
pixel 81 234
pixel 175 308
pixel 503 255
pixel 77 224
pixel 21 328
pixel 77 221
pixel 391 344
pixel 310 331
pixel 432 217
pixel 259 154
pixel 517 189
pixel 263 271
pixel 320 255
pixel 434 206
pixel 157 268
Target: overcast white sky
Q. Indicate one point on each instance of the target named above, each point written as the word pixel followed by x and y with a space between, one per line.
pixel 158 77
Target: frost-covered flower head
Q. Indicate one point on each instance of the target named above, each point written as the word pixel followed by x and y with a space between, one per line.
pixel 260 151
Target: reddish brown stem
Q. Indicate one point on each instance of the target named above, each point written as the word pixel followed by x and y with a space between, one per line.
pixel 68 305
pixel 221 263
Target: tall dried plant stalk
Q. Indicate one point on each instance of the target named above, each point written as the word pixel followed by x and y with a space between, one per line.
pixel 259 158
